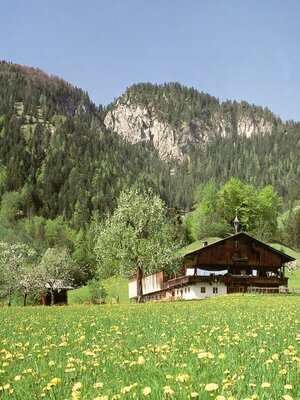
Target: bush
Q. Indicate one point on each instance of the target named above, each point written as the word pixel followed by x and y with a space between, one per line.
pixel 97 291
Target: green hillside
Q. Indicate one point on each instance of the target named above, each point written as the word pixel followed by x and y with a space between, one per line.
pixel 294 276
pixel 113 285
pixel 198 244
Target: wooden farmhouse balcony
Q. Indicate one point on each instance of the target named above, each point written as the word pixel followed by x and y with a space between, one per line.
pixel 244 280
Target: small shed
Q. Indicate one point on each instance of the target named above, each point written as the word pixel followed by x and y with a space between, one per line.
pixel 60 297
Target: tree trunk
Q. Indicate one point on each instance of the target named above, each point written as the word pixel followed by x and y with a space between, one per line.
pixel 25 299
pixel 139 285
pixel 9 297
pixel 52 296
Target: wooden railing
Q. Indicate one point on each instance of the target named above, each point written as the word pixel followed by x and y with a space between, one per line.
pixel 246 280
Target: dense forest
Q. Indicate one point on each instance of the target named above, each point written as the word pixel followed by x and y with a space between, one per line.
pixel 62 171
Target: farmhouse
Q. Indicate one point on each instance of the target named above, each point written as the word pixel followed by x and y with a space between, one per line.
pixel 237 264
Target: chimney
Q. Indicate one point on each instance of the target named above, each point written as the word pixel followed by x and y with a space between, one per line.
pixel 205 244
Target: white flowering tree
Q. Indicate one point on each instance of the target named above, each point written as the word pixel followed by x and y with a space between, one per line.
pixel 28 283
pixel 55 270
pixel 138 238
pixel 14 262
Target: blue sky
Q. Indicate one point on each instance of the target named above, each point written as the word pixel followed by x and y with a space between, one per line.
pixel 233 49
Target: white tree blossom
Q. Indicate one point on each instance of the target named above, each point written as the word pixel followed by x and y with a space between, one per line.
pixel 55 270
pixel 14 259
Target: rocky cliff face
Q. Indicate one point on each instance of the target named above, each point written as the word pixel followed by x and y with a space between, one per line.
pixel 137 122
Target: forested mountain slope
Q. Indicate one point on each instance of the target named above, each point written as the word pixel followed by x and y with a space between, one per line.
pixel 56 156
pixel 211 139
pixel 59 154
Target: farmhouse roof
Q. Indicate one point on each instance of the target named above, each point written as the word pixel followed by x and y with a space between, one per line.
pixel 285 258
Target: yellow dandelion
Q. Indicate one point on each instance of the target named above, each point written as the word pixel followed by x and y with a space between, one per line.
pixel 17 378
pixel 101 398
pixel 287 397
pixel 288 386
pixel 193 395
pixel 54 381
pixel 146 391
pixel 127 389
pixel 67 370
pixel 141 360
pixel 168 390
pixel 77 386
pixel 265 385
pixel 220 397
pixel 210 387
pixel 182 378
pixel 98 385
pixel 283 371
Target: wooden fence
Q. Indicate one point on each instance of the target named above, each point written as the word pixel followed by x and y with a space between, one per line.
pixel 272 290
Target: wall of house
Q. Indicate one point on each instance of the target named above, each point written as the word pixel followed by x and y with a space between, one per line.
pixel 193 292
pixel 151 283
pixel 132 288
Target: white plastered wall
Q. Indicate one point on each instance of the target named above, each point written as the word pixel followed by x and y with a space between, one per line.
pixel 193 292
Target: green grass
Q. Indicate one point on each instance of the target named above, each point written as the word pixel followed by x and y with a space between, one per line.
pixel 294 276
pixel 240 347
pixel 198 244
pixel 114 286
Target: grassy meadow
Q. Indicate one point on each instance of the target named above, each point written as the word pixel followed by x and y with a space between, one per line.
pixel 233 347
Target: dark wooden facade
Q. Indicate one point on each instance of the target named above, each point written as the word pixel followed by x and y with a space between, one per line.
pixel 237 252
pixel 246 260
pixel 60 297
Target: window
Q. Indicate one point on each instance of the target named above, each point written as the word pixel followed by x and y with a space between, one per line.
pixel 215 290
pixel 203 289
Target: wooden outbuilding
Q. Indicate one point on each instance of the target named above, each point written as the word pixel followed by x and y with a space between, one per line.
pixel 60 297
pixel 237 264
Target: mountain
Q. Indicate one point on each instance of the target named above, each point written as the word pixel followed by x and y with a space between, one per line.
pixel 60 155
pixel 209 139
pixel 177 119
